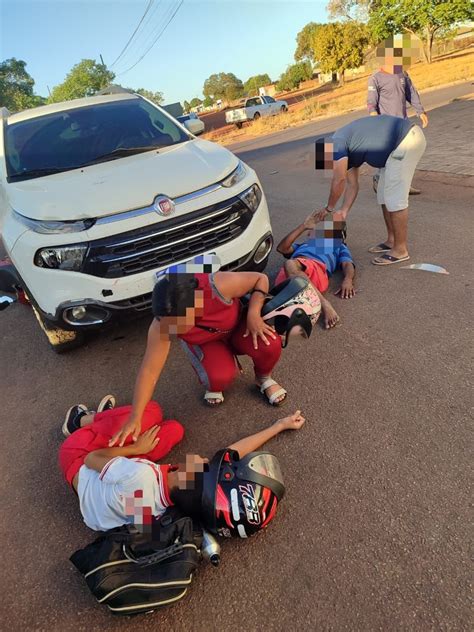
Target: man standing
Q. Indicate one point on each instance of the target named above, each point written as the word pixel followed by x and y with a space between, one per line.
pixel 393 145
pixel 390 88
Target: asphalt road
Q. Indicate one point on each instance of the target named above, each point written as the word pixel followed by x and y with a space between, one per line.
pixel 373 532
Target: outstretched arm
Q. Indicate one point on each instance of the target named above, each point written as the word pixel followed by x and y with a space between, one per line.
pixel 157 350
pixel 255 441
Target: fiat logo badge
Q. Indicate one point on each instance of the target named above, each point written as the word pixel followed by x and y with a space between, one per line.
pixel 163 205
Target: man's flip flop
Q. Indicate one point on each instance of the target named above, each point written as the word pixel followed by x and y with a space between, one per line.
pixel 274 396
pixel 375 250
pixel 387 260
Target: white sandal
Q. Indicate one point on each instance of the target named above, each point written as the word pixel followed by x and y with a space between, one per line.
pixel 217 396
pixel 274 396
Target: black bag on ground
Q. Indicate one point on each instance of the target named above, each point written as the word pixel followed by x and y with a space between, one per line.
pixel 131 572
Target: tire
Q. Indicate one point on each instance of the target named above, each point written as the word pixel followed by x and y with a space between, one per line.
pixel 283 109
pixel 256 116
pixel 238 125
pixel 60 340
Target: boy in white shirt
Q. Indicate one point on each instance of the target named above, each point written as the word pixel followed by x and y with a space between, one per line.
pixel 124 485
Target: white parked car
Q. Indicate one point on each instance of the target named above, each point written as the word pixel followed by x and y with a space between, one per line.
pixel 98 194
pixel 192 123
pixel 254 108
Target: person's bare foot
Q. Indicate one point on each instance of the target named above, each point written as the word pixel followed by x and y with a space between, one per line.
pixel 331 318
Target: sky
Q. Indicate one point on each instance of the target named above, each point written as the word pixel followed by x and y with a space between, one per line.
pixel 245 37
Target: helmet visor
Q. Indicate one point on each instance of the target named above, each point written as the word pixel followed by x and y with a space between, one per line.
pixel 266 469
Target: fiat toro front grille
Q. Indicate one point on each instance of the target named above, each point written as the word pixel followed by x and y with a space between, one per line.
pixel 167 241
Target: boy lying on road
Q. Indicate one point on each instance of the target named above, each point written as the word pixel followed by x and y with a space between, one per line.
pixel 318 258
pixel 124 485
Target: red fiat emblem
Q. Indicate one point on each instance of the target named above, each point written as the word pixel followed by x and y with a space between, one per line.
pixel 163 205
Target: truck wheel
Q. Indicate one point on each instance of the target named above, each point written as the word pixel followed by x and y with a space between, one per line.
pixel 256 116
pixel 283 109
pixel 238 125
pixel 60 340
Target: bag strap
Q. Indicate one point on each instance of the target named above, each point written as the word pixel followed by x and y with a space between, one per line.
pixel 154 558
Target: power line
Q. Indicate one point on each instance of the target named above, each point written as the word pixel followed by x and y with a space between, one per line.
pixel 143 36
pixel 150 2
pixel 156 39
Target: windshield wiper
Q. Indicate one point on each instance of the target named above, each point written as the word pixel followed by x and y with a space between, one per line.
pixel 121 152
pixel 38 173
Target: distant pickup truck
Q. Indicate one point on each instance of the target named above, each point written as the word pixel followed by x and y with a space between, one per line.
pixel 254 108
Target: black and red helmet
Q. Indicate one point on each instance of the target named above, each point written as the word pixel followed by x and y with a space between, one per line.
pixel 240 496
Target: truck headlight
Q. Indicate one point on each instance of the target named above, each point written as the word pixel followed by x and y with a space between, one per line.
pixel 236 176
pixel 252 197
pixel 52 227
pixel 62 257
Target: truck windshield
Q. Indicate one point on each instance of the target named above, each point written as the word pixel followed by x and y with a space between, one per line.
pixel 84 136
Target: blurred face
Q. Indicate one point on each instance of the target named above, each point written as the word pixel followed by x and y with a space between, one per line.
pixel 324 154
pixel 175 325
pixel 327 236
pixel 186 473
pixel 398 52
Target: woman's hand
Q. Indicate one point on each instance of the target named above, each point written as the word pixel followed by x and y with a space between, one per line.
pixel 132 427
pixel 258 328
pixel 293 422
pixel 147 441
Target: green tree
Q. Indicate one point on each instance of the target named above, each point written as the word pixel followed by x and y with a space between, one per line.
pixel 349 9
pixel 224 85
pixel 156 97
pixel 305 42
pixel 252 84
pixel 294 75
pixel 340 46
pixel 195 102
pixel 423 18
pixel 85 78
pixel 16 86
pixel 186 106
pixel 208 102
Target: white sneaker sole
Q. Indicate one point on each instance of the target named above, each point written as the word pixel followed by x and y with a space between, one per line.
pixel 103 402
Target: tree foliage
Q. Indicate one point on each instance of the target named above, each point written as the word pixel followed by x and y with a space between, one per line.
pixel 16 86
pixel 207 102
pixel 195 102
pixel 340 46
pixel 305 42
pixel 223 85
pixel 294 75
pixel 156 97
pixel 349 9
pixel 423 18
pixel 85 78
pixel 252 84
pixel 186 106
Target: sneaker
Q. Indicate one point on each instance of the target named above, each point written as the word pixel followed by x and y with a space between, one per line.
pixel 106 403
pixel 72 421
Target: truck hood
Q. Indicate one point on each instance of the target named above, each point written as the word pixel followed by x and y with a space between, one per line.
pixel 122 184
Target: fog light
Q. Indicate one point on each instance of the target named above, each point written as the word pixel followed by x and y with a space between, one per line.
pixel 89 314
pixel 263 250
pixel 78 313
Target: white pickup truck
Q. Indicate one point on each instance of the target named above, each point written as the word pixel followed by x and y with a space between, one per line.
pixel 254 108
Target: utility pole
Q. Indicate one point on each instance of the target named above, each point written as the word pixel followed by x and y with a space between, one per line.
pixel 49 91
pixel 102 60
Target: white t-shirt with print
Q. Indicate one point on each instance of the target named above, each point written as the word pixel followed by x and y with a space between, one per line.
pixel 125 491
